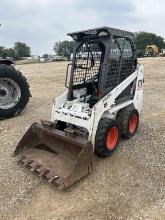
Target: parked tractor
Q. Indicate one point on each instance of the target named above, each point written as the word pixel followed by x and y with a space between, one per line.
pixel 14 90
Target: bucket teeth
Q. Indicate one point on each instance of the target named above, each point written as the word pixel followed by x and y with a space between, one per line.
pixel 49 175
pixel 59 181
pixel 26 162
pixel 34 166
pixel 52 179
pixel 42 171
pixel 20 159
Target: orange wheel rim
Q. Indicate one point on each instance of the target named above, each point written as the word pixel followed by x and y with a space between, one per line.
pixel 112 138
pixel 133 124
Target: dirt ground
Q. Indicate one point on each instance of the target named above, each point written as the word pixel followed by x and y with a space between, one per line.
pixel 128 185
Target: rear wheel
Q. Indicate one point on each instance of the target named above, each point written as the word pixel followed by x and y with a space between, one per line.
pixel 14 92
pixel 128 119
pixel 107 137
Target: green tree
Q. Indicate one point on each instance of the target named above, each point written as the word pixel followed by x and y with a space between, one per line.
pixel 1 51
pixel 64 48
pixel 21 50
pixel 46 56
pixel 9 52
pixel 144 38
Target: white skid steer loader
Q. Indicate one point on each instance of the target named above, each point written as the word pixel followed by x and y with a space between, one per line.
pixel 102 103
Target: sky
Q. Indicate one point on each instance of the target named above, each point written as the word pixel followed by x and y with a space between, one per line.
pixel 40 23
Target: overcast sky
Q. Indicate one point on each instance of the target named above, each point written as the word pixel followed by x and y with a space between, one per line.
pixel 40 23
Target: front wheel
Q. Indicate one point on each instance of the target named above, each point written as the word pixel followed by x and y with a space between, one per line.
pixel 128 119
pixel 14 92
pixel 107 137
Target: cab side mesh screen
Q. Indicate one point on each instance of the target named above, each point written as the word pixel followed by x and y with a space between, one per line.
pixel 121 62
pixel 127 61
pixel 113 65
pixel 87 63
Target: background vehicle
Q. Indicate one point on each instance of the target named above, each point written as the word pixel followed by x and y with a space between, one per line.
pixel 162 53
pixel 103 102
pixel 151 51
pixel 58 58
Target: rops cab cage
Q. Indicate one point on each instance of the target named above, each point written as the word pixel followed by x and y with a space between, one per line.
pixel 102 58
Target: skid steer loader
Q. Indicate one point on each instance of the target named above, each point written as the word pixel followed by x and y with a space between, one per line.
pixel 103 102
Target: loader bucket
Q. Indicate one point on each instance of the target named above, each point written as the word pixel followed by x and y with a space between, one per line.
pixel 62 159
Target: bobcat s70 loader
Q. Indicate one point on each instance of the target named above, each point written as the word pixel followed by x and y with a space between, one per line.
pixel 103 102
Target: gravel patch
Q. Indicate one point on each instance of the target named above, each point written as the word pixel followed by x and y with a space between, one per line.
pixel 129 185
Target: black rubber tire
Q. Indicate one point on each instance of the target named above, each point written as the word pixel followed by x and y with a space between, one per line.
pixel 124 117
pixel 11 73
pixel 104 126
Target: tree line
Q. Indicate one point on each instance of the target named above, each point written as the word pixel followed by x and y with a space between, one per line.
pixel 17 52
pixel 65 48
pixel 142 39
